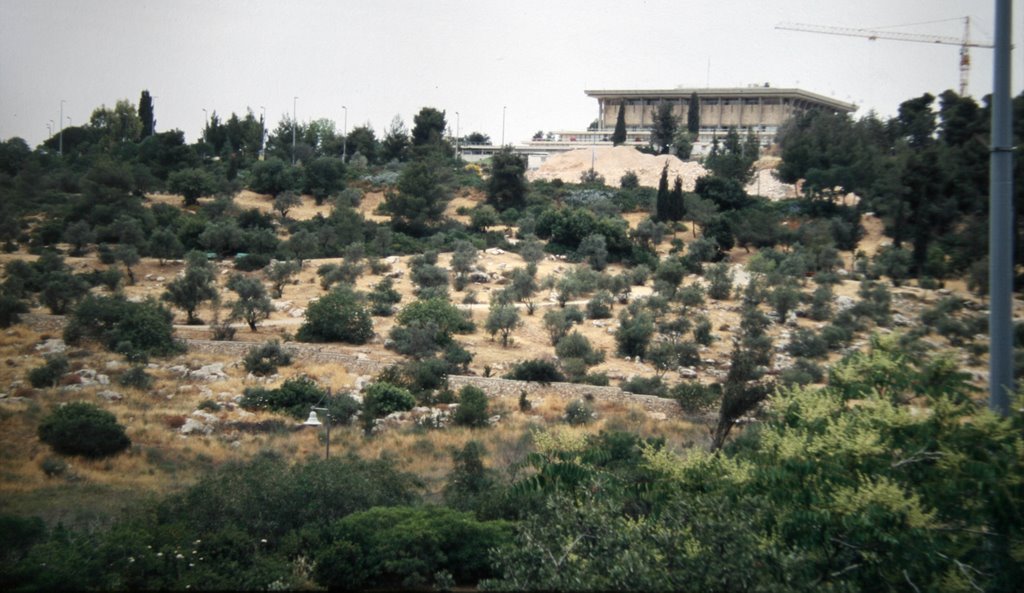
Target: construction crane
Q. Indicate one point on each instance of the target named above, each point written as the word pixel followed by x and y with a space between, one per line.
pixel 964 43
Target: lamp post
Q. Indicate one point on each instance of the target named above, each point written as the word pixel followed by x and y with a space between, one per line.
pixel 457 137
pixel 60 150
pixel 344 139
pixel 295 124
pixel 314 421
pixel 263 129
pixel 503 125
pixel 49 130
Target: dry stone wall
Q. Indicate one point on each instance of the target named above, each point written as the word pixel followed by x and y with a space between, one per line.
pixel 363 364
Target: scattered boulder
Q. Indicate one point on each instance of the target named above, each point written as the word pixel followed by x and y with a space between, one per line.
pixel 110 395
pixel 51 346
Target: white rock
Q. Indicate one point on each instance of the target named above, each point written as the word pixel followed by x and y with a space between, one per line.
pixel 297 312
pixel 52 346
pixel 109 395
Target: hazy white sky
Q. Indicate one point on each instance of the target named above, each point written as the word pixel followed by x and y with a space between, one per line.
pixel 382 58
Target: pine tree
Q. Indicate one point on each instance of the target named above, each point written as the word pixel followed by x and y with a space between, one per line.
pixel 661 207
pixel 620 126
pixel 693 115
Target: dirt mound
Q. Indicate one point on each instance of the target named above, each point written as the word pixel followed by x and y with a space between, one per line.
pixel 613 162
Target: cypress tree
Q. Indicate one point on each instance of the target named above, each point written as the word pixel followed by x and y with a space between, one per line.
pixel 661 205
pixel 676 209
pixel 693 115
pixel 146 114
pixel 619 136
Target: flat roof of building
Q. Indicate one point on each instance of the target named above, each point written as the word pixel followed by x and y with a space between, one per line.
pixel 728 93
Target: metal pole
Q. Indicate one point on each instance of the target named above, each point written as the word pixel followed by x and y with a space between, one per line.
pixel 457 139
pixel 61 149
pixel 344 139
pixel 503 125
pixel 295 124
pixel 1000 325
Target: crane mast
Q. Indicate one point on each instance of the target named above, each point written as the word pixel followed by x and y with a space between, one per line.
pixel 965 42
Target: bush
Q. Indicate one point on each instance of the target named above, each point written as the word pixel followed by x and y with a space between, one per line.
pixel 577 346
pixel 579 412
pixel 600 306
pixel 539 370
pixel 337 317
pixel 50 373
pixel 251 262
pixel 652 385
pixel 408 548
pixel 472 410
pixel 136 377
pixel 11 310
pixel 381 399
pixel 719 278
pixel 802 372
pixel 694 397
pixel 83 429
pixel 263 360
pixel 804 343
pixel 294 397
pixel 136 330
pixel 702 331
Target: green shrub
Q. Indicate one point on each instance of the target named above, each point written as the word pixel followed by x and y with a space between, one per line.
pixel 803 372
pixel 579 412
pixel 337 317
pixel 83 429
pixel 694 397
pixel 294 397
pixel 251 262
pixel 719 278
pixel 576 345
pixel 136 330
pixel 652 385
pixel 407 548
pixel 600 305
pixel 539 370
pixel 702 331
pixel 381 399
pixel 50 373
pixel 136 377
pixel 805 343
pixel 11 310
pixel 209 405
pixel 264 359
pixel 472 410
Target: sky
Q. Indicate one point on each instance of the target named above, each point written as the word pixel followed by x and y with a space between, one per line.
pixel 509 68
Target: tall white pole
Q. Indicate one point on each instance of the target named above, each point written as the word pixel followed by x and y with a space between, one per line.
pixel 295 124
pixel 503 125
pixel 344 139
pixel 1000 215
pixel 458 138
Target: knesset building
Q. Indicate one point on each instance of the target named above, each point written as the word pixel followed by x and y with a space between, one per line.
pixel 761 109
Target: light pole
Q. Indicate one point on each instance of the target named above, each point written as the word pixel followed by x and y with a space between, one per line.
pixel 60 150
pixel 457 138
pixel 503 125
pixel 295 124
pixel 263 129
pixel 344 139
pixel 314 421
pixel 49 130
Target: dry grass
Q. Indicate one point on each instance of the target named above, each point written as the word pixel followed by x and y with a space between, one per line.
pixel 163 460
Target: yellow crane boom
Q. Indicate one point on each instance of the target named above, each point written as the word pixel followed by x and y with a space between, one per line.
pixel 964 43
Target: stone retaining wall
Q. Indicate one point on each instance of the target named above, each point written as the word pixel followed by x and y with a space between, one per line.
pixel 363 365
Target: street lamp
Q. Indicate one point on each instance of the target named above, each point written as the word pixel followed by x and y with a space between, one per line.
pixel 457 135
pixel 314 421
pixel 49 130
pixel 503 125
pixel 295 124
